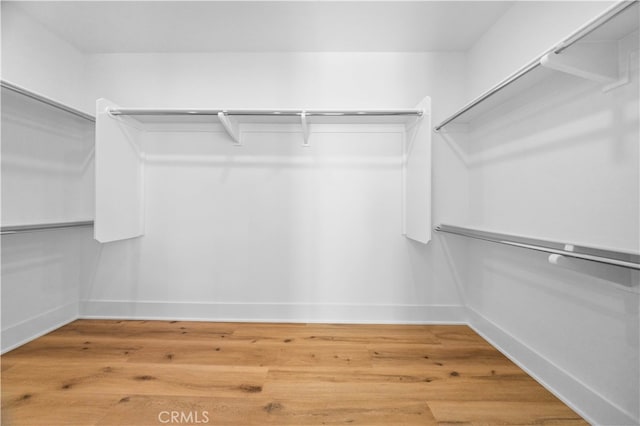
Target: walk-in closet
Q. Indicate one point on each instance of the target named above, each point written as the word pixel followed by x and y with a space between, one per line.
pixel 320 212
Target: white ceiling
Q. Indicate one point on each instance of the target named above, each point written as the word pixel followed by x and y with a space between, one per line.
pixel 257 26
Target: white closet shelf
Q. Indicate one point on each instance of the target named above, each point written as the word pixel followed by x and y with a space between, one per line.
pixel 120 161
pixel 591 52
pixel 45 100
pixel 232 119
pixel 242 116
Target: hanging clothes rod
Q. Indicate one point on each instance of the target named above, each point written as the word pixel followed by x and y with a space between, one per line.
pixel 274 113
pixel 15 229
pixel 584 31
pixel 610 257
pixel 45 100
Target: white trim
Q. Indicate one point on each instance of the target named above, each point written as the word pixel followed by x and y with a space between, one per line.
pixel 27 330
pixel 590 405
pixel 274 312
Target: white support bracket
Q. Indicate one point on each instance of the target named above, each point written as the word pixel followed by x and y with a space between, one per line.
pixel 597 61
pixel 230 127
pixel 305 128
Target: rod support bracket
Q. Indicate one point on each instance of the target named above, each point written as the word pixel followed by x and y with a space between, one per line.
pixel 305 128
pixel 229 127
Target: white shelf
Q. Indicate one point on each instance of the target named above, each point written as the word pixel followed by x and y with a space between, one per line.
pixel 45 100
pixel 120 158
pixel 231 120
pixel 186 115
pixel 591 52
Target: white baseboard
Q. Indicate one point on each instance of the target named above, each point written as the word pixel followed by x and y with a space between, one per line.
pixel 274 312
pixel 32 328
pixel 583 400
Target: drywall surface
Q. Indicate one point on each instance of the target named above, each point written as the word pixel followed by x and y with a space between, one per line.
pixel 41 277
pixel 558 162
pixel 47 163
pixel 271 230
pixel 276 80
pixel 47 177
pixel 40 61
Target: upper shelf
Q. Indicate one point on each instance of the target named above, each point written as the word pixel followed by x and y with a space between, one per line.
pixel 45 100
pixel 591 52
pixel 269 116
pixel 232 119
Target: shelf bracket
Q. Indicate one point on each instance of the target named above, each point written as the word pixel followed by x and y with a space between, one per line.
pixel 305 128
pixel 597 61
pixel 230 128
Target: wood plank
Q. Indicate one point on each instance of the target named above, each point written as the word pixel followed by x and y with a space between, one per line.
pixel 6 364
pixel 262 353
pixel 393 374
pixel 74 378
pixel 332 333
pixel 134 329
pixel 443 355
pixel 142 410
pixel 150 409
pixel 347 356
pixel 54 408
pixel 457 333
pixel 503 413
pixel 507 388
pixel 296 410
pixel 225 352
pixel 80 348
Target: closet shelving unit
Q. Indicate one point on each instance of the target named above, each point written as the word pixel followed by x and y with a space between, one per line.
pixel 17 229
pixel 120 158
pixel 232 119
pixel 592 52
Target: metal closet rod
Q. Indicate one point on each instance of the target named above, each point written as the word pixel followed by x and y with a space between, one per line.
pixel 285 113
pixel 15 229
pixel 584 31
pixel 610 257
pixel 45 100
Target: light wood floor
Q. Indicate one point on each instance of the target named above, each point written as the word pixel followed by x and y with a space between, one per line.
pixel 93 372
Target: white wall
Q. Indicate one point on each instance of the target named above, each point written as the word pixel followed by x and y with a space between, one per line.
pixel 47 163
pixel 559 162
pixel 40 61
pixel 271 230
pixel 41 279
pixel 577 333
pixel 277 80
pixel 47 177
